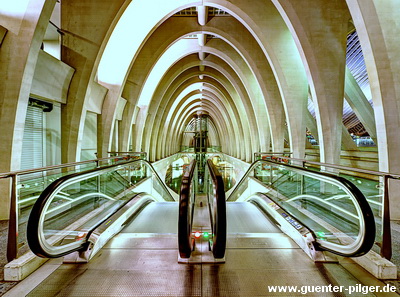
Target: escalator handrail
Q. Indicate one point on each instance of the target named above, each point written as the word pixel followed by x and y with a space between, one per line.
pixel 186 206
pixel 367 227
pixel 218 214
pixel 35 242
pixel 35 221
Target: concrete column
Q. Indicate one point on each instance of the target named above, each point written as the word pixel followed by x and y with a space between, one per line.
pixel 360 105
pixel 86 25
pixel 18 56
pixel 202 39
pixel 348 142
pixel 378 27
pixel 320 32
pixel 280 49
pixel 107 120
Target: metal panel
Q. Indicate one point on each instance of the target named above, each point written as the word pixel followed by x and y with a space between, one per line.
pixel 32 146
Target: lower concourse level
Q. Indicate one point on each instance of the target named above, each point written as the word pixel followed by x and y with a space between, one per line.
pixel 206 224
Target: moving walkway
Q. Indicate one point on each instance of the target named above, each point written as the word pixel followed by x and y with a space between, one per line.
pixel 319 210
pixel 99 204
pixel 127 208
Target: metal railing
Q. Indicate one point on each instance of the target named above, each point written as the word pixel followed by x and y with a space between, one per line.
pixel 32 182
pixel 385 243
pixel 138 155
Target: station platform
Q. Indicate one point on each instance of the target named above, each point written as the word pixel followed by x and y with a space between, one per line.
pixel 142 260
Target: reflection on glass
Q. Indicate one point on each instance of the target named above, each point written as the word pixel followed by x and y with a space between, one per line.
pixel 78 203
pixel 321 202
pixel 31 185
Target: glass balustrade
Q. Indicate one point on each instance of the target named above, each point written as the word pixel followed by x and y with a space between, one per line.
pixel 72 206
pixel 331 206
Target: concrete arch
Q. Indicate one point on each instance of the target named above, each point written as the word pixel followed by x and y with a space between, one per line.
pixel 274 109
pixel 168 106
pixel 213 134
pixel 165 131
pixel 186 117
pixel 156 123
pixel 25 33
pixel 216 74
pixel 278 45
pixel 325 61
pixel 181 79
pixel 251 85
pixel 227 102
pixel 218 107
pixel 378 30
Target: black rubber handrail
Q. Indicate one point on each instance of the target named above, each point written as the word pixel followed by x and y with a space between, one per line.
pixel 218 212
pixel 186 207
pixel 34 221
pixel 369 230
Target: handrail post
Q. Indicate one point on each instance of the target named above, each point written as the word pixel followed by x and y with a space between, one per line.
pixel 386 245
pixel 271 174
pixel 12 244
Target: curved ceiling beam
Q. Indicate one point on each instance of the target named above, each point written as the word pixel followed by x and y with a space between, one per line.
pixel 191 73
pixel 278 124
pixel 232 84
pixel 154 111
pixel 237 6
pixel 204 103
pixel 256 68
pixel 228 104
pixel 215 130
pixel 250 84
pixel 241 99
pixel 274 38
pixel 255 110
pixel 186 115
pixel 154 105
pixel 182 120
pixel 166 129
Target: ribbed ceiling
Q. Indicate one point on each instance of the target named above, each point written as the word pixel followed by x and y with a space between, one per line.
pixel 212 11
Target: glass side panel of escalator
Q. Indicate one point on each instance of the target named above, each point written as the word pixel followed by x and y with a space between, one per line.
pixel 333 208
pixel 71 207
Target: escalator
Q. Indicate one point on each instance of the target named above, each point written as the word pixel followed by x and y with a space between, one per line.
pixel 95 205
pixel 319 211
pixel 267 229
pixel 202 216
